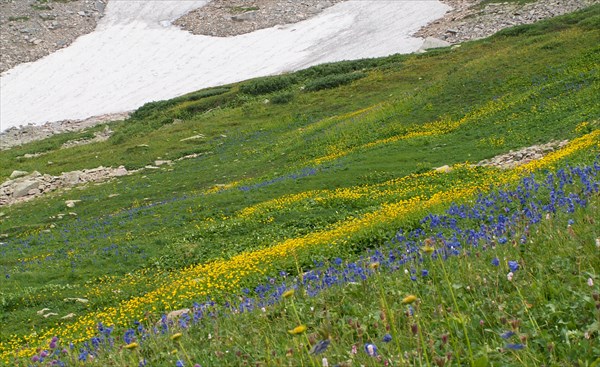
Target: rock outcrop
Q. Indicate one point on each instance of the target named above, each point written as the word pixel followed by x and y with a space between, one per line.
pixel 18 136
pixel 470 19
pixel 522 156
pixel 35 184
pixel 224 18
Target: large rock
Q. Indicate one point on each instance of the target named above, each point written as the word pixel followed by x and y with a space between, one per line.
pixel 17 174
pixel 71 178
pixel 432 42
pixel 22 188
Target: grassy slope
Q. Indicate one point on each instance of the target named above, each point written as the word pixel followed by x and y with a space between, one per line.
pixel 527 85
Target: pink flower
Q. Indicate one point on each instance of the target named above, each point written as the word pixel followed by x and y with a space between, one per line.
pixel 509 276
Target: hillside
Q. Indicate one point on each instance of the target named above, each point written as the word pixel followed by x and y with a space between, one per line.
pixel 237 193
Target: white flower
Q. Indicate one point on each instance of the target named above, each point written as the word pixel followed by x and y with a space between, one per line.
pixel 598 242
pixel 509 276
pixel 590 282
pixel 325 362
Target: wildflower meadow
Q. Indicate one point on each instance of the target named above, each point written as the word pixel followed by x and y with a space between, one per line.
pixel 345 226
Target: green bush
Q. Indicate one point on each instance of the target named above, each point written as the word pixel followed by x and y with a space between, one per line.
pixel 282 97
pixel 342 67
pixel 333 81
pixel 152 108
pixel 267 85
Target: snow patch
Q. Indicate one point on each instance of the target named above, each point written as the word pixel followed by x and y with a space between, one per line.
pixel 136 55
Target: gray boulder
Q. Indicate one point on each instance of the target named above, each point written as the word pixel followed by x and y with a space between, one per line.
pixel 17 174
pixel 22 188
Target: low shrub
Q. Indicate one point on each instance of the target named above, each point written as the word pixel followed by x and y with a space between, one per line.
pixel 267 85
pixel 333 81
pixel 282 97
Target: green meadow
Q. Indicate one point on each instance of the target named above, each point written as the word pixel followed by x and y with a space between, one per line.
pixel 311 181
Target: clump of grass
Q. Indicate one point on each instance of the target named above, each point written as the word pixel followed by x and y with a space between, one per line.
pixel 242 9
pixel 282 97
pixel 22 18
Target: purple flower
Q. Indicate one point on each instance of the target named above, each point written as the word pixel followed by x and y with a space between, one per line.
pixel 495 261
pixel 513 266
pixel 507 334
pixel 514 346
pixel 424 273
pixel 320 347
pixel 371 349
pixel 387 338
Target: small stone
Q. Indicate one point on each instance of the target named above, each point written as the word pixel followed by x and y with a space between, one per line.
pixel 71 203
pixel 444 169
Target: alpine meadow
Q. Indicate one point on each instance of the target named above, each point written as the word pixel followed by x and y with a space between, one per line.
pixel 349 214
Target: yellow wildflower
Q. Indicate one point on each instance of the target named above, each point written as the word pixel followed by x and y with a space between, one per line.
pixel 176 336
pixel 288 293
pixel 409 299
pixel 428 249
pixel 297 330
pixel 132 345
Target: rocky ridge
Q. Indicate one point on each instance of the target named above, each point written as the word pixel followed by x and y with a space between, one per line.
pixel 32 29
pixel 224 18
pixel 15 136
pixel 471 19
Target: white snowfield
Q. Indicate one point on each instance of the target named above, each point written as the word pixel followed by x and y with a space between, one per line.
pixel 136 56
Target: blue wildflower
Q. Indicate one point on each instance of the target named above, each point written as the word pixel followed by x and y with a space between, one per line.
pixel 371 349
pixel 179 363
pixel 514 346
pixel 387 338
pixel 320 347
pixel 507 334
pixel 424 272
pixel 495 261
pixel 513 266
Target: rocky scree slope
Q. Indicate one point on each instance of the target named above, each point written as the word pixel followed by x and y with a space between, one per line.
pixel 32 29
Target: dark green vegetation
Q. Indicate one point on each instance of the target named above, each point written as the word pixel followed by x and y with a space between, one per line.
pixel 406 114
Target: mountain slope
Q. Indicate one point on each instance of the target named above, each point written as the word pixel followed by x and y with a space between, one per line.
pixel 337 159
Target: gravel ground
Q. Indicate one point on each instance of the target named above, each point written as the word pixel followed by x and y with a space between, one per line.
pixel 224 18
pixel 32 29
